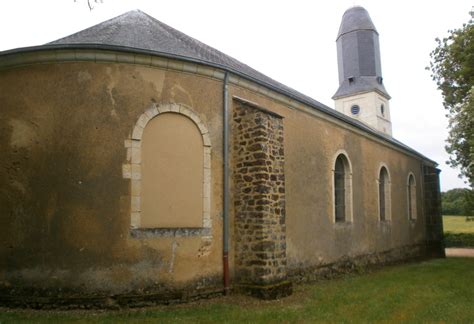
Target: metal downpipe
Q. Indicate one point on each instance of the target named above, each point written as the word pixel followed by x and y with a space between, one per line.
pixel 225 254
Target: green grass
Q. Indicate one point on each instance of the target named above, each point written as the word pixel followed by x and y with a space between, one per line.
pixel 457 224
pixel 458 232
pixel 440 290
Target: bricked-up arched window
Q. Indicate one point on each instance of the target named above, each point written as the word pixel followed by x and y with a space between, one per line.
pixel 169 167
pixel 342 189
pixel 172 172
pixel 411 195
pixel 384 194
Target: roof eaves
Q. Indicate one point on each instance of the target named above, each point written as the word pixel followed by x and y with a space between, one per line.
pixel 303 99
pixel 344 95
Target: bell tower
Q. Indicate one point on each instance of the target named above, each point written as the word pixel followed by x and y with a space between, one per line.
pixel 361 94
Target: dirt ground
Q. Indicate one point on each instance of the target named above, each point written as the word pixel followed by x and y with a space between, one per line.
pixel 460 252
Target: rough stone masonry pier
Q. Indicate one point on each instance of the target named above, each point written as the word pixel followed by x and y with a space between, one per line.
pixel 260 245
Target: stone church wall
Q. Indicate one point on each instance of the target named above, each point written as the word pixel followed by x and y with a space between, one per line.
pixel 316 244
pixel 69 192
pixel 66 191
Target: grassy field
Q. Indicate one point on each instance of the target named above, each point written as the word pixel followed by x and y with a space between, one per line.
pixel 440 290
pixel 458 232
pixel 457 224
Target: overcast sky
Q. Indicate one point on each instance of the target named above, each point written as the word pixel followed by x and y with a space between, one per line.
pixel 290 41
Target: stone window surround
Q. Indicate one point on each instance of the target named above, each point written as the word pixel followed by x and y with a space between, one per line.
pixel 413 215
pixel 348 189
pixel 388 195
pixel 132 170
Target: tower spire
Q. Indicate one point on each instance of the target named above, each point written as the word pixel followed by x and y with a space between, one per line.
pixel 361 93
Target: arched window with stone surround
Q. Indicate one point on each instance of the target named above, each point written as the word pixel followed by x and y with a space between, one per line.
pixel 411 196
pixel 342 193
pixel 170 172
pixel 384 194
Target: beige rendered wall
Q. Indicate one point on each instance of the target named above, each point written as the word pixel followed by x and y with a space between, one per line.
pixel 65 196
pixel 311 146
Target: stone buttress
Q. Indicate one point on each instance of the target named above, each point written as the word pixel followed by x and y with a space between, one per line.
pixel 259 201
pixel 432 206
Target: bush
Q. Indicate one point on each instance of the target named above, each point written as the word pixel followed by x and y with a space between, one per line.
pixel 459 239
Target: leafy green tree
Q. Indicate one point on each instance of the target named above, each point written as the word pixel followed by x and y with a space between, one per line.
pixel 454 201
pixel 452 68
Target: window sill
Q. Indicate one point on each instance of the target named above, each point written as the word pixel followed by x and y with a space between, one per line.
pixel 341 225
pixel 141 233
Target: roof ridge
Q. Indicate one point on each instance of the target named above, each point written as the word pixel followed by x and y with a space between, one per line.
pixel 130 32
pixel 176 32
pixel 93 26
pixel 173 32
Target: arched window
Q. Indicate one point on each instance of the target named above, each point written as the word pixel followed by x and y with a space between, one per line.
pixel 339 190
pixel 342 189
pixel 411 196
pixel 384 194
pixel 169 156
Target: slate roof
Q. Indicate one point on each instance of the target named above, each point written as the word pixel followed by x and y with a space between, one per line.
pixel 355 18
pixel 137 32
pixel 358 55
pixel 360 84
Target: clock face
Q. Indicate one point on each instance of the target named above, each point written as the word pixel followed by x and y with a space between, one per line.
pixel 355 109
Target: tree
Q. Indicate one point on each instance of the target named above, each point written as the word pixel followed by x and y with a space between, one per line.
pixel 454 202
pixel 452 68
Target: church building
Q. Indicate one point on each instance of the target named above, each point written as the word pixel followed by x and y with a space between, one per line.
pixel 141 166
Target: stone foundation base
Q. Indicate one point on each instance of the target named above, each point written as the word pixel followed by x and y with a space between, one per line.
pixel 267 292
pixel 361 263
pixel 64 299
pixel 17 295
pixel 103 301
